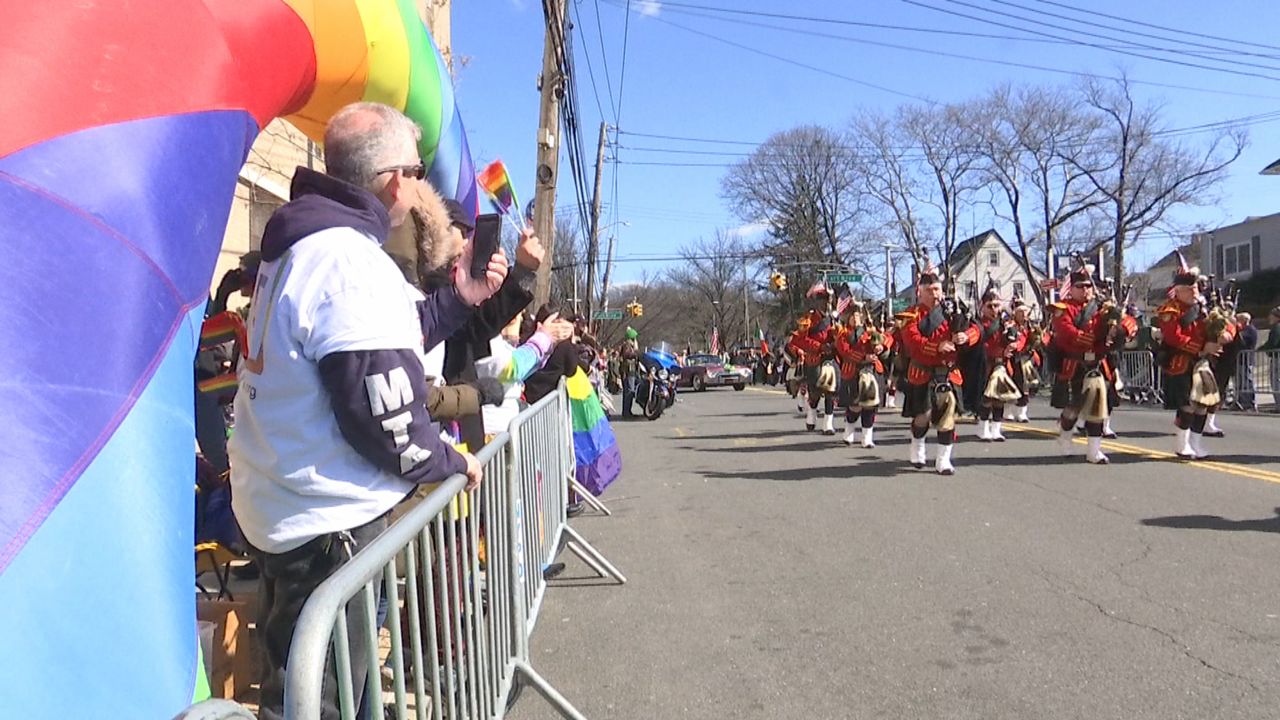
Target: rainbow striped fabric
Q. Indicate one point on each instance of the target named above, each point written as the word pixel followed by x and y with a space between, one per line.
pixel 496 183
pixel 599 460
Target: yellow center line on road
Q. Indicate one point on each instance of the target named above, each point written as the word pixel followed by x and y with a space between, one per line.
pixel 769 391
pixel 1222 467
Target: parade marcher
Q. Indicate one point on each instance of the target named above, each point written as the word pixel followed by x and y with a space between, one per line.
pixel 792 370
pixel 898 360
pixel 629 368
pixel 1001 340
pixel 1191 334
pixel 932 336
pixel 1026 361
pixel 859 348
pixel 1224 364
pixel 1085 331
pixel 815 345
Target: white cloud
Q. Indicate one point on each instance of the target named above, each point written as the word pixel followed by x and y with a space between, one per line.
pixel 649 8
pixel 748 230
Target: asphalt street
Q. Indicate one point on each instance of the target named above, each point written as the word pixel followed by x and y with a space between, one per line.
pixel 775 573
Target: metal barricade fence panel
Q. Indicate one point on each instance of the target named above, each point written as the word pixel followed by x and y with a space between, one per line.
pixel 1258 373
pixel 455 550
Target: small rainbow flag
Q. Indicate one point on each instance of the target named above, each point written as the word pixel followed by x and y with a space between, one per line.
pixel 496 183
pixel 221 328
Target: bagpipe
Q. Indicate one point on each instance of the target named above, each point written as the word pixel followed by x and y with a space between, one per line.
pixel 1217 308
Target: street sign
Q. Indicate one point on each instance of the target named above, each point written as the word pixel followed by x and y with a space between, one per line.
pixel 606 315
pixel 900 305
pixel 1050 284
pixel 844 278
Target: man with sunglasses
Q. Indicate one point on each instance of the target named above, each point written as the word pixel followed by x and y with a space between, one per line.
pixel 332 426
pixel 1083 337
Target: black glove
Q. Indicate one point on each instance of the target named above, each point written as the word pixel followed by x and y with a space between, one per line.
pixel 491 390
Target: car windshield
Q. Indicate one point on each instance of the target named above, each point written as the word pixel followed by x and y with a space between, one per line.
pixel 703 360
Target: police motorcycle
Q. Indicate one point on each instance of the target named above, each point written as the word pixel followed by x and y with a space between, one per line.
pixel 659 372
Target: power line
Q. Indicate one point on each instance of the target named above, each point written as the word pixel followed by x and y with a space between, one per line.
pixel 604 58
pixel 1131 31
pixel 1158 27
pixel 789 61
pixel 1074 41
pixel 935 53
pixel 622 79
pixel 590 71
pixel 1087 33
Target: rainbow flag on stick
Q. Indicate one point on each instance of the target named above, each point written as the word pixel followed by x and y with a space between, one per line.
pixel 496 183
pixel 599 461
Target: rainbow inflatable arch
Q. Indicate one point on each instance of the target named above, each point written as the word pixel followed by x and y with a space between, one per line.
pixel 125 124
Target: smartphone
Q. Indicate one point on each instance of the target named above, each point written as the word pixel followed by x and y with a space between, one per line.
pixel 485 243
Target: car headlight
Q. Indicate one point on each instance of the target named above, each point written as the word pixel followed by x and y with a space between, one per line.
pixel 662 374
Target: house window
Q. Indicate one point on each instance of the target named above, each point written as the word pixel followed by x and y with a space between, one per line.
pixel 1019 290
pixel 993 258
pixel 1237 259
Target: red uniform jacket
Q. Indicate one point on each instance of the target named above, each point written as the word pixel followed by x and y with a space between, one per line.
pixel 807 343
pixel 924 350
pixel 1087 343
pixel 1184 340
pixel 996 345
pixel 854 347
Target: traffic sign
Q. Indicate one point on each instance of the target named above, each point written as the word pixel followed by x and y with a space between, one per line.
pixel 1050 284
pixel 900 305
pixel 844 278
pixel 606 315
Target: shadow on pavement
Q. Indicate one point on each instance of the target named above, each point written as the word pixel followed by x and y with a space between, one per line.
pixel 833 472
pixel 1215 522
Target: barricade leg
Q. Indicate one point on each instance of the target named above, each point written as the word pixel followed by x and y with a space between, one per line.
pixel 549 693
pixel 588 498
pixel 592 557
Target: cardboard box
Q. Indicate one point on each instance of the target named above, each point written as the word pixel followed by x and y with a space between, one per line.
pixel 233 667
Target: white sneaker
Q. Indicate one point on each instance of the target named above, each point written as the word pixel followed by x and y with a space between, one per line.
pixel 1197 446
pixel 829 424
pixel 810 419
pixel 1022 415
pixel 891 402
pixel 852 437
pixel 919 454
pixel 1064 442
pixel 1107 432
pixel 984 430
pixel 1182 445
pixel 1008 414
pixel 944 466
pixel 994 431
pixel 867 442
pixel 1095 455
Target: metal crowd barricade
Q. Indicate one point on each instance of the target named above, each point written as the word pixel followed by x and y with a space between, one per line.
pixel 461 575
pixel 1257 374
pixel 1140 377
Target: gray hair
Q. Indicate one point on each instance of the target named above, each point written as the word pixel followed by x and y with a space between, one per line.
pixel 1244 317
pixel 365 137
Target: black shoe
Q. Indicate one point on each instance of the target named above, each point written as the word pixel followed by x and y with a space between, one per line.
pixel 828 432
pixel 809 427
pixel 1216 434
pixel 552 570
pixel 575 509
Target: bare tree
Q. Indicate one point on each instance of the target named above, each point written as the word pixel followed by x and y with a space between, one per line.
pixel 1142 172
pixel 712 272
pixel 803 183
pixel 949 160
pixel 568 262
pixel 887 168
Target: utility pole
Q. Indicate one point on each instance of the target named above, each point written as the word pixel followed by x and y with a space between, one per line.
pixel 593 241
pixel 608 267
pixel 551 85
pixel 746 303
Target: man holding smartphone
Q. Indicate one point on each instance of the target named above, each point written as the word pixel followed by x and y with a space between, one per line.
pixel 332 427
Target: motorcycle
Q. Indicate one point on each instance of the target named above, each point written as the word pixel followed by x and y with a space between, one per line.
pixel 657 389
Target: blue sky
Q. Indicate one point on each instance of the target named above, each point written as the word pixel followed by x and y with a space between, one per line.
pixel 680 83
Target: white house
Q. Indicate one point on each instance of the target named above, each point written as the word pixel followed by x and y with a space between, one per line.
pixel 985 258
pixel 1236 252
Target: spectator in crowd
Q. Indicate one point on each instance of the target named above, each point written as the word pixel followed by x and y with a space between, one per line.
pixel 511 362
pixel 332 423
pixel 1246 396
pixel 629 369
pixel 1268 354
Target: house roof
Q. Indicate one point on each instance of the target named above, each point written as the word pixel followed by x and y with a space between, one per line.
pixel 963 252
pixel 1272 169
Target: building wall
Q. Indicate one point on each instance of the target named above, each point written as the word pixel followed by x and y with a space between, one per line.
pixel 263 186
pixel 1005 272
pixel 1259 238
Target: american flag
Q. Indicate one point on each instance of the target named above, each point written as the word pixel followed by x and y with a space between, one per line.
pixel 715 341
pixel 842 303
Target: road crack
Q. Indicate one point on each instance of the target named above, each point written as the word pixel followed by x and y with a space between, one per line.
pixel 1181 646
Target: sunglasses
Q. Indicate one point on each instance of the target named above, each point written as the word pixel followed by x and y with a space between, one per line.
pixel 1083 285
pixel 416 172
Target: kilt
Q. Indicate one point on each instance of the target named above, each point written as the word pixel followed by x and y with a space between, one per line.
pixel 1177 391
pixel 1068 393
pixel 916 400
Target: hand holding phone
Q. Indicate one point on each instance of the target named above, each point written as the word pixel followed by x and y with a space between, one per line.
pixel 485 243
